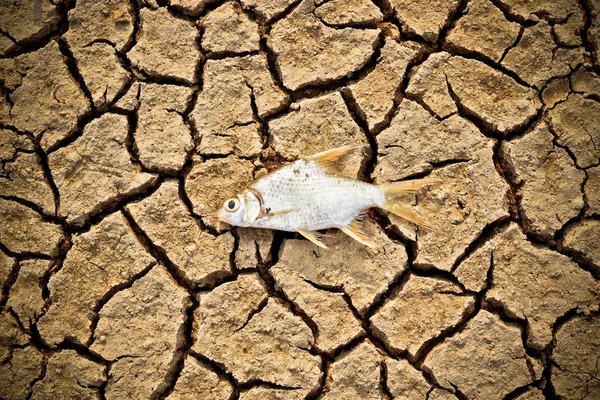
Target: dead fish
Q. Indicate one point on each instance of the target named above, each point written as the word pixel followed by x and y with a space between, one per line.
pixel 310 195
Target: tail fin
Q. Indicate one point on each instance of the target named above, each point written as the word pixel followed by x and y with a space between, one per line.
pixel 393 190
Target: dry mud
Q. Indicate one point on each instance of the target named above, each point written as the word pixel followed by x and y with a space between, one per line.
pixel 123 126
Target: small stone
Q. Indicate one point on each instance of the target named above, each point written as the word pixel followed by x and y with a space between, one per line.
pixel 453 364
pixel 569 32
pixel 228 30
pixel 334 319
pixel 23 230
pixel 140 331
pixel 24 368
pixel 100 261
pixel 198 255
pixel 209 183
pixel 556 91
pixel 361 272
pixel 21 173
pixel 166 46
pixel 424 18
pixel 47 87
pixel 101 71
pixel 538 285
pixel 574 122
pixel 495 98
pixel 293 135
pixel 483 29
pixel 192 7
pixel 70 376
pixel 162 136
pixel 546 204
pixel 534 58
pixel 310 53
pixel 198 381
pixel 469 194
pixel 267 9
pixel 424 309
pixel 27 21
pixel 375 93
pixel 428 85
pixel 576 354
pixel 90 21
pixel 95 171
pixel 586 82
pixel 583 240
pixel 254 337
pixel 354 375
pixel 349 12
pixel 254 247
pixel 553 10
pixel 25 296
pixel 405 382
pixel 592 190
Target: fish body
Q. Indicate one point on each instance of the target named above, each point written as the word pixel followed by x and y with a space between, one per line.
pixel 311 195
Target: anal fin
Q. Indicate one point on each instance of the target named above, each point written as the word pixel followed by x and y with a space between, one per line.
pixel 354 230
pixel 313 237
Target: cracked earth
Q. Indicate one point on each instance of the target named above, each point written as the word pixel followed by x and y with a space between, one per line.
pixel 124 125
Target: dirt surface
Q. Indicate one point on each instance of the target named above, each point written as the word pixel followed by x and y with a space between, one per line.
pixel 124 125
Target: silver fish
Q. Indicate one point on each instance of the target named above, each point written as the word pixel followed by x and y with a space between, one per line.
pixel 309 195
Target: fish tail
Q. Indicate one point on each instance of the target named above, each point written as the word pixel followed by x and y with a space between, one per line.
pixel 393 190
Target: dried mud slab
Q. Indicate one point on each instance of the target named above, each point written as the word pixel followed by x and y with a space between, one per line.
pixel 236 329
pixel 538 285
pixel 140 330
pixel 585 81
pixel 469 194
pixel 495 343
pixel 591 189
pixel 574 122
pixel 594 30
pixel 424 18
pixel 254 247
pixel 199 256
pixel 375 93
pixel 354 375
pixel 162 138
pixel 310 53
pixel 316 125
pixel 197 381
pixel 265 393
pixel 335 322
pixel 7 264
pixel 348 12
pixel 21 173
pixel 576 356
pixel 90 21
pixel 484 30
pixel 192 7
pixel 209 183
pixel 405 382
pixel 228 30
pixel 582 239
pixel 422 310
pixel 550 185
pixel 267 9
pixel 95 171
pixel 166 46
pixel 100 262
pixel 223 115
pixel 26 21
pixel 536 58
pixel 553 10
pixel 360 272
pixel 69 375
pixel 23 230
pixel 25 298
pixel 46 85
pixel 21 364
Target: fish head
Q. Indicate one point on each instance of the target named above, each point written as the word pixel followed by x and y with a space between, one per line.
pixel 243 209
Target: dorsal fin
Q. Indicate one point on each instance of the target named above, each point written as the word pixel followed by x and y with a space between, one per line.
pixel 326 159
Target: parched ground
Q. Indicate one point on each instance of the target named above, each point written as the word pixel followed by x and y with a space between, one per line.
pixel 124 125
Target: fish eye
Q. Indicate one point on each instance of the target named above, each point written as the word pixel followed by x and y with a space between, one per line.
pixel 232 204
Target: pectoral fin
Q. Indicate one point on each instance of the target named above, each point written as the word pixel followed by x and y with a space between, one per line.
pixel 354 230
pixel 313 237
